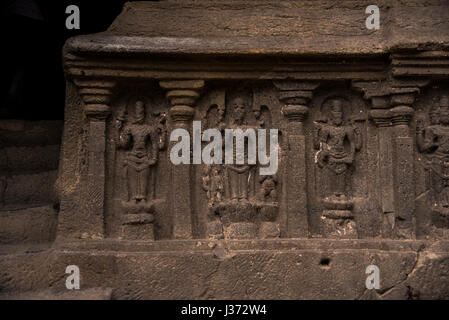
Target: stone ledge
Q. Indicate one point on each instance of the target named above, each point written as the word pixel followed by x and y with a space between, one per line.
pixel 259 274
pixel 261 27
pixel 227 271
pixel 201 245
pixel 28 225
pixel 21 160
pixel 87 294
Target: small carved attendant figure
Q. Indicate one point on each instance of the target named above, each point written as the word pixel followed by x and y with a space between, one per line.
pixel 239 173
pixel 337 144
pixel 434 115
pixel 213 184
pixel 142 140
pixel 268 189
pixel 434 140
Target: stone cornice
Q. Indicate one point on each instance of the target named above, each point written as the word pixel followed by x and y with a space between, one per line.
pixel 271 27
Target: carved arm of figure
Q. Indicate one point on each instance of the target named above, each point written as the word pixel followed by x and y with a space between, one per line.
pixel 316 136
pixel 162 131
pixel 124 135
pixel 424 138
pixel 206 180
pixel 154 153
pixel 320 143
pixel 357 138
pixel 352 138
pixel 123 132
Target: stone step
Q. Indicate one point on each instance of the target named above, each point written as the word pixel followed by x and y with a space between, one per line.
pixel 27 189
pixel 30 133
pixel 24 267
pixel 33 159
pixel 83 294
pixel 26 273
pixel 28 225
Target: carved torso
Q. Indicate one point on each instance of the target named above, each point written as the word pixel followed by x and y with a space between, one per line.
pixel 439 135
pixel 140 139
pixel 335 138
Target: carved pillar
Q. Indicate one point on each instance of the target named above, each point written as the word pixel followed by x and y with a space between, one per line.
pixel 382 119
pixel 296 95
pixel 404 175
pixel 392 112
pixel 182 95
pixel 96 95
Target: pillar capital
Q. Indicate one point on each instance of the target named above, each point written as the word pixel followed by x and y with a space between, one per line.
pixel 295 112
pixel 401 115
pixel 295 92
pixel 400 101
pixel 296 95
pixel 182 95
pixel 96 95
pixel 381 117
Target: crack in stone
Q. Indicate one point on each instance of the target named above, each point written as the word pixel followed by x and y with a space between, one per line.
pixel 382 293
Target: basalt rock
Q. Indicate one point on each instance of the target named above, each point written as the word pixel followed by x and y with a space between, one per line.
pixel 363 176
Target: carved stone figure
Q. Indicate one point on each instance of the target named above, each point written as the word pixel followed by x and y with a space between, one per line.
pixel 268 188
pixel 433 141
pixel 337 144
pixel 213 184
pixel 142 141
pixel 285 61
pixel 239 174
pixel 240 204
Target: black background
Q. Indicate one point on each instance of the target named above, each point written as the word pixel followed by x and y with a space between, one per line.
pixel 33 34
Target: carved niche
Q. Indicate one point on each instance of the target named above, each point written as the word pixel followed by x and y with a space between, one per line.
pixel 337 137
pixel 241 203
pixel 141 134
pixel 432 141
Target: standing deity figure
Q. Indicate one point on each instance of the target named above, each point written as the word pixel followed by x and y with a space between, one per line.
pixel 433 140
pixel 239 174
pixel 337 144
pixel 142 141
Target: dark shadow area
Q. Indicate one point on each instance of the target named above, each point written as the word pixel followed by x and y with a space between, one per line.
pixel 34 32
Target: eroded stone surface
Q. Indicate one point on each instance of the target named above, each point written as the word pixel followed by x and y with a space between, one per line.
pixel 363 154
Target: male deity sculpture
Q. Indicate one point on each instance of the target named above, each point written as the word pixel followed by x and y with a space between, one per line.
pixel 142 141
pixel 236 210
pixel 337 144
pixel 239 174
pixel 433 140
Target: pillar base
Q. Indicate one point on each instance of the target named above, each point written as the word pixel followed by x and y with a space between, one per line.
pixel 137 227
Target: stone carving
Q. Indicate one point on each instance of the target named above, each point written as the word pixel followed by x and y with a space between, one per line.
pixel 337 144
pixel 268 189
pixel 213 184
pixel 195 55
pixel 142 142
pixel 433 142
pixel 240 204
pixel 239 174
